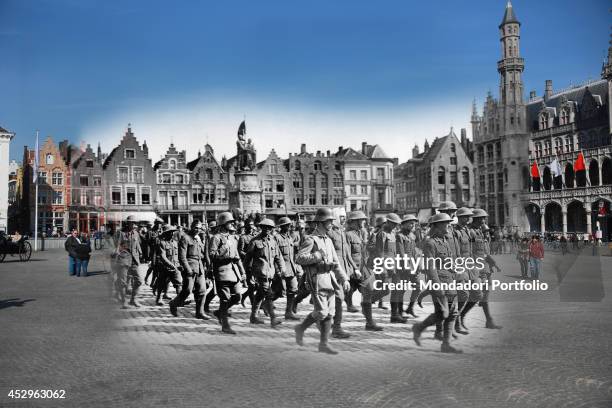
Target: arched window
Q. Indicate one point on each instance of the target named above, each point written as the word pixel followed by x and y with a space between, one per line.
pixel 324 181
pixel 569 175
pixel 564 116
pixel 311 181
pixel 594 172
pixel 606 171
pixel 297 165
pixel 465 177
pixel 543 120
pixel 209 174
pixel 297 181
pixel 441 175
pixel 538 149
pixel 317 165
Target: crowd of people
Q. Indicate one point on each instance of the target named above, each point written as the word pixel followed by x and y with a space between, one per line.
pixel 324 257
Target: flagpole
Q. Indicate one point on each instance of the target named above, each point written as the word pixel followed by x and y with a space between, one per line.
pixel 36 196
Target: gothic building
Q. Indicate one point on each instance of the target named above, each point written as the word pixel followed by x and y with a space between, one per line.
pixel 500 134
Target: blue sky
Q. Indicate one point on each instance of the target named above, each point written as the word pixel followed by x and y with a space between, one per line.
pixel 321 72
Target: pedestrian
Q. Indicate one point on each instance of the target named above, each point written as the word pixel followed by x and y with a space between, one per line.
pixel 536 256
pixel 523 257
pixel 71 244
pixel 319 259
pixel 563 242
pixel 82 253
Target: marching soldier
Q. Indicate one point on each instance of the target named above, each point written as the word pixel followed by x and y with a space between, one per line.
pixel 320 262
pixel 152 236
pixel 192 253
pixel 303 290
pixel 406 246
pixel 386 247
pixel 445 302
pixel 131 236
pixel 267 265
pixel 480 248
pixel 465 237
pixel 363 277
pixel 227 268
pixel 210 233
pixel 166 259
pixel 250 232
pixel 293 272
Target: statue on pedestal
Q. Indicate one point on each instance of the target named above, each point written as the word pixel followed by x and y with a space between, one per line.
pixel 246 150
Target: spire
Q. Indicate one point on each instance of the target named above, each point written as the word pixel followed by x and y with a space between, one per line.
pixel 606 69
pixel 509 16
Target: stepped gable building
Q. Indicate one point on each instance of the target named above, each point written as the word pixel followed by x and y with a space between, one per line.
pixel 209 186
pixel 316 180
pixel 130 181
pixel 562 125
pixel 87 207
pixel 442 172
pixel 54 182
pixel 274 179
pixel 173 187
pixel 358 180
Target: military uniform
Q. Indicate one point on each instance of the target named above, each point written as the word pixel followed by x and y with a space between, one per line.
pixel 348 267
pixel 406 246
pixel 243 244
pixel 134 274
pixel 293 271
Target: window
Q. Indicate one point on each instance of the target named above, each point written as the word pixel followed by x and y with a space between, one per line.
pixel 58 197
pixel 137 175
pixel 179 179
pixel 441 176
pixel 297 181
pixel 84 181
pixel 57 179
pixel 269 202
pixel 317 165
pixel 42 197
pixel 482 183
pixel 353 174
pixel 130 154
pixel 298 199
pixel 208 174
pixel 98 198
pixel 465 176
pixel 116 195
pixel 89 163
pixel 453 195
pixel 569 144
pixel 197 176
pixel 131 195
pixel 500 181
pixel 122 174
pixel 480 154
pixel 324 183
pixel 489 152
pixel 324 198
pixel 145 196
pixel 564 117
pixel 42 177
pixel 453 177
pixel 453 160
pixel 452 148
pixel 312 197
pixel 221 195
pixel 267 187
pixel 364 190
pixel 380 174
pixel 441 194
pixel 364 174
pixel 337 180
pixel 547 147
pixel 273 168
pixel 498 152
pixel 353 189
pixel 280 185
pixel 466 196
pixel 49 159
pixel 337 198
pixel 84 197
pixel 337 166
pixel 297 165
pixel 165 178
pixel 209 193
pixel 97 181
pixel 311 181
pixel 491 181
pixel 172 164
pixel 543 121
pixel 558 145
pixel 538 149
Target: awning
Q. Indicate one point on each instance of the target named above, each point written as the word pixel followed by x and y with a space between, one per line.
pixel 424 214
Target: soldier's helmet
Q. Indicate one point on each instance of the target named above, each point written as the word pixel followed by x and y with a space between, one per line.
pixel 409 217
pixel 356 215
pixel 380 220
pixel 479 213
pixel 266 223
pixel 283 221
pixel 310 218
pixel 224 218
pixel 394 218
pixel 212 224
pixel 197 224
pixel 447 206
pixel 440 217
pixel 464 212
pixel 168 229
pixel 324 214
pixel 130 218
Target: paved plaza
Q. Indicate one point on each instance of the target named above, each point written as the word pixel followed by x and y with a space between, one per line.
pixel 61 332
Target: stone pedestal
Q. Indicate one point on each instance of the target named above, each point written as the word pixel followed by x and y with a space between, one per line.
pixel 246 193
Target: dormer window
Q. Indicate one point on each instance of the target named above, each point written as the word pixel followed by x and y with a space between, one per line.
pixel 49 159
pixel 564 118
pixel 89 163
pixel 130 154
pixel 172 164
pixel 543 121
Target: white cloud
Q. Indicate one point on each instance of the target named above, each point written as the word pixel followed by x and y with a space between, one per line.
pixel 278 125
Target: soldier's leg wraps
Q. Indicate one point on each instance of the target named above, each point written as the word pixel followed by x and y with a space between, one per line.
pixel 338 314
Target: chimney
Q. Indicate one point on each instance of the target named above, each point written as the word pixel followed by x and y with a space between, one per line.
pixel 303 148
pixel 340 148
pixel 548 90
pixel 99 151
pixel 464 138
pixel 364 148
pixel 328 152
pixel 426 146
pixel 415 151
pixel 318 153
pixel 532 95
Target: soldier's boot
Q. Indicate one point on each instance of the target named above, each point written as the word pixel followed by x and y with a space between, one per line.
pixel 400 312
pixel 225 326
pixel 381 305
pixel 123 299
pixel 490 324
pixel 337 331
pixel 468 306
pixel 439 334
pixel 209 297
pixel 133 300
pixel 254 309
pixel 395 313
pixel 158 300
pixel 301 328
pixel 200 314
pixel 273 320
pixel 324 342
pixel 349 302
pixel 458 327
pixel 370 323
pixel 264 307
pixel 421 296
pixel 166 292
pixel 410 309
pixel 448 329
pixel 176 302
pixel 298 299
pixel 417 330
pixel 289 315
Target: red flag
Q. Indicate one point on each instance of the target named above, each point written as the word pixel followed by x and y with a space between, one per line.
pixel 579 163
pixel 535 171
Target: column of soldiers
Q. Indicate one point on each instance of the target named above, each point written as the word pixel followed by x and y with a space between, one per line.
pixel 320 257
